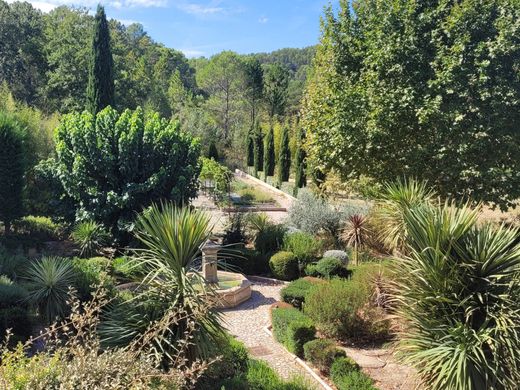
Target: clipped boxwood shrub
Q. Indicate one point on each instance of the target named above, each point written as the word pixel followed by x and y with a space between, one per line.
pixel 292 328
pixel 329 267
pixel 39 228
pixel 321 353
pixel 354 380
pixel 337 254
pixel 296 291
pixel 284 265
pixel 342 366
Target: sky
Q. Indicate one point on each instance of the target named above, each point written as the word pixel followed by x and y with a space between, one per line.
pixel 205 27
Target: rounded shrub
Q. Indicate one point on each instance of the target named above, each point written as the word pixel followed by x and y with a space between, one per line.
pixel 12 295
pixel 342 366
pixel 355 380
pixel 337 254
pixel 284 265
pixel 304 246
pixel 329 267
pixel 321 353
pixel 296 291
pixel 17 319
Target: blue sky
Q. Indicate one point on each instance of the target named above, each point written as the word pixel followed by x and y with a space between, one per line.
pixel 206 27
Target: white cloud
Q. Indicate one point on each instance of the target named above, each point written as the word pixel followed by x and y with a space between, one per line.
pixel 191 53
pixel 198 9
pixel 263 20
pixel 47 6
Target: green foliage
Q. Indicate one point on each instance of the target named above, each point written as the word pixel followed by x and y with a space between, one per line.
pixel 40 228
pixel 284 157
pixel 244 260
pixel 11 263
pixel 212 151
pixel 346 375
pixel 172 238
pixel 284 265
pixel 342 366
pixel 296 291
pixel 393 202
pixel 270 238
pixel 313 215
pixel 292 328
pixel 433 83
pixel 18 320
pixel 328 267
pixel 12 295
pixel 334 307
pixel 154 160
pixel 235 233
pixel 100 88
pixel 300 163
pixel 276 81
pixel 90 237
pixel 322 353
pixel 219 174
pixel 458 298
pixel 304 246
pixel 91 274
pixel 11 171
pixel 250 148
pixel 258 148
pixel 48 283
pixel 269 156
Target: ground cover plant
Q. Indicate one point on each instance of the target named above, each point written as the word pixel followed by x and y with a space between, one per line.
pixel 292 328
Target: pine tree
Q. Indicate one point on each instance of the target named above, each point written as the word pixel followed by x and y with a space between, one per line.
pixel 100 89
pixel 300 177
pixel 258 149
pixel 212 151
pixel 269 157
pixel 11 171
pixel 251 148
pixel 284 157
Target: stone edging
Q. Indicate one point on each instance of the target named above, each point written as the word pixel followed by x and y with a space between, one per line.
pixel 302 363
pixel 263 279
pixel 264 184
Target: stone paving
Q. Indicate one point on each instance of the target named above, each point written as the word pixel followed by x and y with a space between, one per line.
pixel 246 323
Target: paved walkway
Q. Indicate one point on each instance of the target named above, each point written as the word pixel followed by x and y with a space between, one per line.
pixel 246 323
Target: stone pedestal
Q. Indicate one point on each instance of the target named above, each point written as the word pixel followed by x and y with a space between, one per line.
pixel 209 261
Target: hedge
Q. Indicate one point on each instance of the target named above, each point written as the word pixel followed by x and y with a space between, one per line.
pixel 296 291
pixel 292 328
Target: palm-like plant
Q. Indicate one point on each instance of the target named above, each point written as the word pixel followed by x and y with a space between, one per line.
pixel 356 233
pixel 457 292
pixel 172 238
pixel 90 236
pixel 388 213
pixel 48 282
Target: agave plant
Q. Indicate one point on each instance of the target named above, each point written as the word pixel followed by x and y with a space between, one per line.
pixel 48 282
pixel 90 236
pixel 356 234
pixel 172 238
pixel 457 293
pixel 394 200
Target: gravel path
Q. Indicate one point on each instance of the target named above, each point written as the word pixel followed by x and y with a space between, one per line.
pixel 246 323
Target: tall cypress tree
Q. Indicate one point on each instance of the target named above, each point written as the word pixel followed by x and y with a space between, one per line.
pixel 11 171
pixel 251 148
pixel 100 89
pixel 212 151
pixel 269 157
pixel 300 177
pixel 258 148
pixel 284 157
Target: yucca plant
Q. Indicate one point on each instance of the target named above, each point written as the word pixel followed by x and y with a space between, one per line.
pixel 394 200
pixel 90 236
pixel 172 238
pixel 48 282
pixel 457 294
pixel 355 234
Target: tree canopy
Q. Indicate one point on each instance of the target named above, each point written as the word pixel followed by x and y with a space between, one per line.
pixel 420 89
